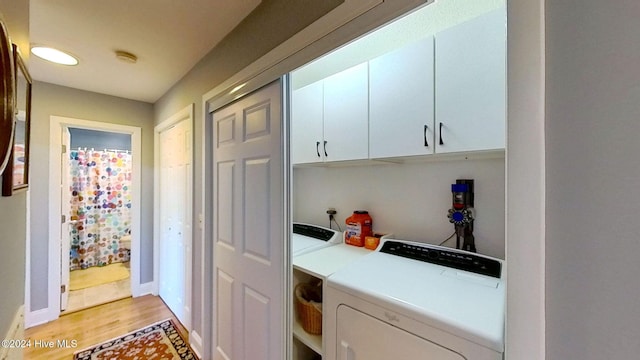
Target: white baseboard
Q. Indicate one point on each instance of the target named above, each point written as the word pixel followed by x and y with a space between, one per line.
pixel 38 317
pixel 196 343
pixel 146 289
pixel 16 332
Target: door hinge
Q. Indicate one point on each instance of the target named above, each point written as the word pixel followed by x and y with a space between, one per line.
pixel 63 219
pixel 63 289
pixel 64 149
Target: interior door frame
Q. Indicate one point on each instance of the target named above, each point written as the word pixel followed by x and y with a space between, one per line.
pixel 186 114
pixel 58 125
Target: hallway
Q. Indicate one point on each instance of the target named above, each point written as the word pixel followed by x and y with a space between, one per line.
pixel 94 325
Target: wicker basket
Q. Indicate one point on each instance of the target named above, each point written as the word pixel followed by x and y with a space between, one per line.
pixel 308 299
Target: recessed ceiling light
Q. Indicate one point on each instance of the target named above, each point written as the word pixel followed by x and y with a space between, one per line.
pixel 54 55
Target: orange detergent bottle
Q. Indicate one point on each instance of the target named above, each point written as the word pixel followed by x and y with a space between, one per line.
pixel 359 226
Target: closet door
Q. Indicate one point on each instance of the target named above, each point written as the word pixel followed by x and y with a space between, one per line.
pixel 248 228
pixel 175 224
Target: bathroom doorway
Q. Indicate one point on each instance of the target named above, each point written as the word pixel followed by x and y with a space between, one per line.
pixel 111 236
pixel 99 217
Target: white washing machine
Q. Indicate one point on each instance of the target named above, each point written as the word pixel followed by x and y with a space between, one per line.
pixel 307 238
pixel 410 300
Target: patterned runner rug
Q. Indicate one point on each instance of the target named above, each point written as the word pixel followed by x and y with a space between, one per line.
pixel 160 341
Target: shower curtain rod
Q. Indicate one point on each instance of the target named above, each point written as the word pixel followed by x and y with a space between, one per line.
pixel 111 150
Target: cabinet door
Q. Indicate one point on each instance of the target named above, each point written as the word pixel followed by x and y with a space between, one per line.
pixel 470 84
pixel 306 124
pixel 346 114
pixel 401 101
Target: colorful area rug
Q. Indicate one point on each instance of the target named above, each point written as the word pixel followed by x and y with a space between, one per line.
pixel 160 341
pixel 97 275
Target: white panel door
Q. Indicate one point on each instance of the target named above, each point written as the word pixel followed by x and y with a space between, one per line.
pixel 65 210
pixel 175 223
pixel 471 84
pixel 360 336
pixel 306 124
pixel 346 114
pixel 248 222
pixel 401 101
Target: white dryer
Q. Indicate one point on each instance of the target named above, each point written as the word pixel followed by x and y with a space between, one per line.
pixel 307 238
pixel 410 300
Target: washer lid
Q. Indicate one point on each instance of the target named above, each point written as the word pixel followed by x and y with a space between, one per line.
pixel 308 238
pixel 462 303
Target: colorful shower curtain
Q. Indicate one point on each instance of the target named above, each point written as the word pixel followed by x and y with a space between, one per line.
pixel 100 207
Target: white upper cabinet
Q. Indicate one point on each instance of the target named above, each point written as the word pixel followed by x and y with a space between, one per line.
pixel 346 115
pixel 470 84
pixel 330 118
pixel 306 125
pixel 401 86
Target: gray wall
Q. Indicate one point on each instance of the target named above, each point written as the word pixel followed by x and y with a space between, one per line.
pixel 100 140
pixel 270 24
pixel 13 210
pixel 593 173
pixel 56 100
pixel 13 235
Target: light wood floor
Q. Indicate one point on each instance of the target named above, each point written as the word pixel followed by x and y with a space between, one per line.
pixel 98 324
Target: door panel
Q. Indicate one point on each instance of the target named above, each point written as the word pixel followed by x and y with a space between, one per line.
pixel 401 106
pixel 346 114
pixel 471 84
pixel 224 315
pixel 307 124
pixel 248 208
pixel 257 210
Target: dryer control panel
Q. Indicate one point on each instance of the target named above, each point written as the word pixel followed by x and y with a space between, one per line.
pixel 312 231
pixel 436 255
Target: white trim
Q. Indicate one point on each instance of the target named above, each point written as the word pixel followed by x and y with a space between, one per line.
pixel 35 318
pixel 525 200
pixel 186 114
pixel 196 343
pixel 149 288
pixel 58 124
pixel 206 252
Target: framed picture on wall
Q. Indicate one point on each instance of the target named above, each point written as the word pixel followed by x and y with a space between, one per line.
pixel 7 102
pixel 16 174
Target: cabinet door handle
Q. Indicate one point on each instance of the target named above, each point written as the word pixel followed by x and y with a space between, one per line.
pixel 318 148
pixel 325 149
pixel 426 144
pixel 441 142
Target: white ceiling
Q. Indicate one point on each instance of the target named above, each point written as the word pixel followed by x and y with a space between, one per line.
pixel 168 36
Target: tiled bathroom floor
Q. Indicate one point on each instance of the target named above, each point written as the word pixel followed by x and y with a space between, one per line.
pixel 101 294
